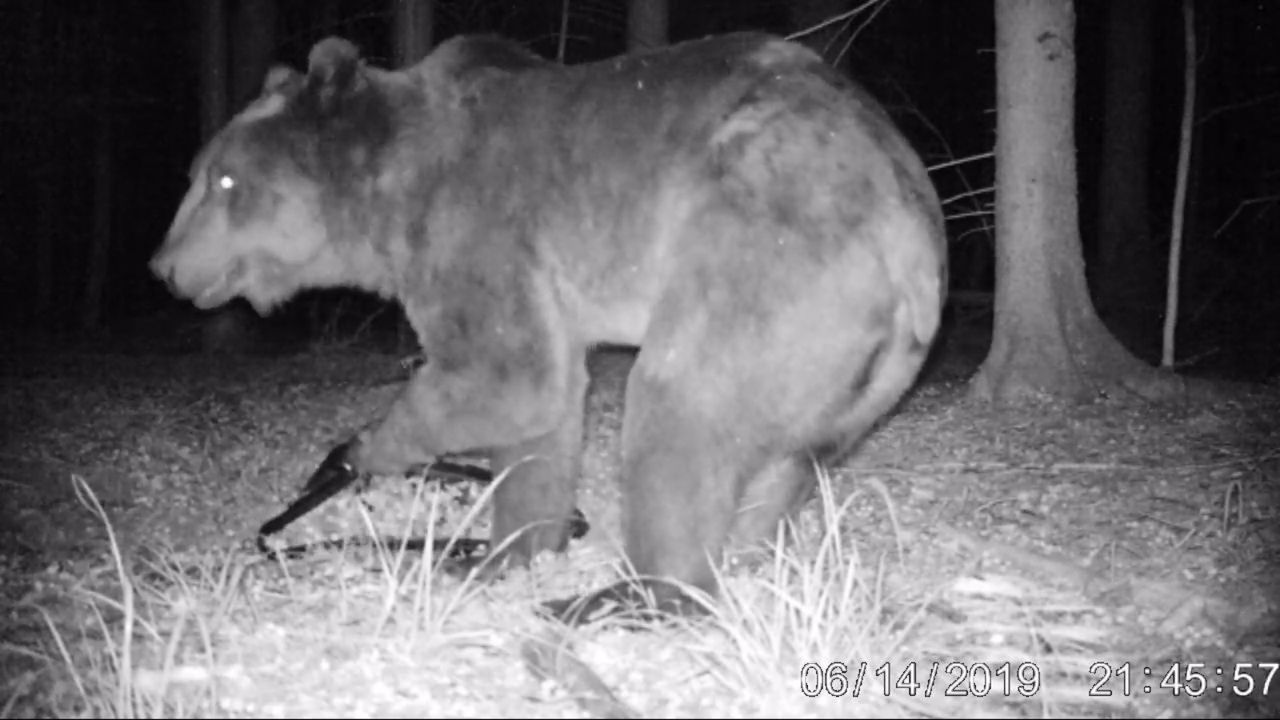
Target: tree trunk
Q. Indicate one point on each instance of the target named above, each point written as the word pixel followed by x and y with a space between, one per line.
pixel 411 30
pixel 38 56
pixel 1047 338
pixel 1180 193
pixel 329 17
pixel 42 317
pixel 253 48
pixel 1129 266
pixel 647 24
pixel 100 233
pixel 213 66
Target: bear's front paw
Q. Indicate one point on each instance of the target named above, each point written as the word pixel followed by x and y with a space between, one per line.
pixel 337 469
pixel 334 474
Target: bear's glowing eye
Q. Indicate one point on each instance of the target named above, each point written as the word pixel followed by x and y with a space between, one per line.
pixel 226 182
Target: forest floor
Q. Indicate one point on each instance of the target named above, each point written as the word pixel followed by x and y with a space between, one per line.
pixel 968 560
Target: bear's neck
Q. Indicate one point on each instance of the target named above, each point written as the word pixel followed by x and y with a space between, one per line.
pixel 367 247
pixel 374 191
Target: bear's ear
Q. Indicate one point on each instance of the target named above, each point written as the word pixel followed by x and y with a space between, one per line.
pixel 334 68
pixel 282 80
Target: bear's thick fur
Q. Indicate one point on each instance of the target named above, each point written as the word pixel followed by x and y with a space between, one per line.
pixel 749 218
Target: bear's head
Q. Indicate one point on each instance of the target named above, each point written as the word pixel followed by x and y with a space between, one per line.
pixel 256 221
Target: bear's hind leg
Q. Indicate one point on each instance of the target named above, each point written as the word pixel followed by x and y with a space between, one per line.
pixel 774 494
pixel 680 483
pixel 682 466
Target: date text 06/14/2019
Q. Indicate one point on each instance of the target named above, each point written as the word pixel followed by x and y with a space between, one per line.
pixel 917 679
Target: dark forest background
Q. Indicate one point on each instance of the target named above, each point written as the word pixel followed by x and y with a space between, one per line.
pixel 100 122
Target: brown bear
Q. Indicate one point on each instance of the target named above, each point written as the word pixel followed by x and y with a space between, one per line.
pixel 746 216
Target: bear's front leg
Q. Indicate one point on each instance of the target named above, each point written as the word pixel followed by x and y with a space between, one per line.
pixel 530 419
pixel 488 403
pixel 533 505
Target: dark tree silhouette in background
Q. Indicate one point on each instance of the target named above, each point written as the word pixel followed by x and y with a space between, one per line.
pixel 412 24
pixel 97 265
pixel 1129 265
pixel 648 24
pixel 253 48
pixel 213 64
